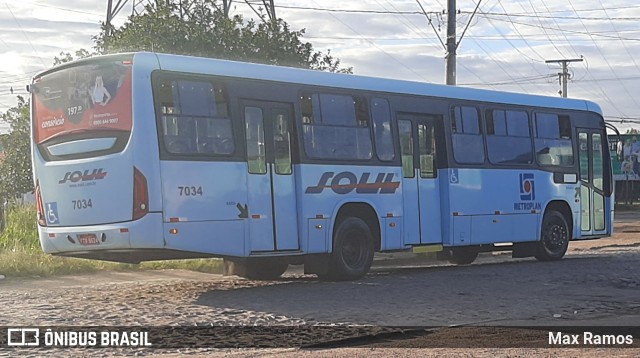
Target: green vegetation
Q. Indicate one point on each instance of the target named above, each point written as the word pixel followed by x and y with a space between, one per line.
pixel 21 255
pixel 15 162
pixel 202 28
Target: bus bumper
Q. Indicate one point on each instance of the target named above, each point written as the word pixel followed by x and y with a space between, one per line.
pixel 146 233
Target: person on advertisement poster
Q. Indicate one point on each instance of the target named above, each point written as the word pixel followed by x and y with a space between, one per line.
pixel 100 94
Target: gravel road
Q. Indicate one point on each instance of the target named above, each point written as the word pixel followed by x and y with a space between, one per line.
pixel 597 284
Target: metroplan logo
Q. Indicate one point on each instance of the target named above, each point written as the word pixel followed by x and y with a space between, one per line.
pixel 527 187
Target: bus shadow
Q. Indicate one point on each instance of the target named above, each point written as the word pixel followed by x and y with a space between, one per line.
pixel 445 295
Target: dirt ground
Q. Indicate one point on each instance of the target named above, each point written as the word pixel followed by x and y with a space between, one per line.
pixel 596 285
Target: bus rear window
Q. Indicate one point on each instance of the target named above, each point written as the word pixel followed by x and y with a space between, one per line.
pixel 83 110
pixel 194 117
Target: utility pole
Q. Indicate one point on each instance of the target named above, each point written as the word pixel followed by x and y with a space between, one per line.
pixel 269 6
pixel 452 44
pixel 226 6
pixel 564 76
pixel 271 9
pixel 450 57
pixel 109 17
pixel 112 11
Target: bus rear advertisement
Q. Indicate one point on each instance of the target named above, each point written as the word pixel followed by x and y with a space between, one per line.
pixel 151 156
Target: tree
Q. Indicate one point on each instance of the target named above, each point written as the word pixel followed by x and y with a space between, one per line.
pixel 201 28
pixel 15 164
pixel 67 57
pixel 192 27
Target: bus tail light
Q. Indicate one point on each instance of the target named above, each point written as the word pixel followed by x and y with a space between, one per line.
pixel 140 195
pixel 40 206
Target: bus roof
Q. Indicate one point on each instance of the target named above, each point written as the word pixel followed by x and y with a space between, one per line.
pixel 348 81
pixel 357 82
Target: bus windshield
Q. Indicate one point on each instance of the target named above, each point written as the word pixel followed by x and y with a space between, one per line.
pixel 82 109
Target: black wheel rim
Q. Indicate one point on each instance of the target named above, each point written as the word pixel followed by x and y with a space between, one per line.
pixel 555 235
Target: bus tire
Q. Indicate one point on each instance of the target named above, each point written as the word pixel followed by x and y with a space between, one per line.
pixel 263 269
pixel 352 252
pixel 463 255
pixel 554 237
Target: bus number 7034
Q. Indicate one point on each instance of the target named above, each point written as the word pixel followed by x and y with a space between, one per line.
pixel 264 166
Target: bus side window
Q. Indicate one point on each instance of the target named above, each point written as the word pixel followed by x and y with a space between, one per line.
pixel 254 128
pixel 381 114
pixel 406 147
pixel 553 140
pixel 468 143
pixel 508 137
pixel 282 142
pixel 336 127
pixel 195 117
pixel 427 148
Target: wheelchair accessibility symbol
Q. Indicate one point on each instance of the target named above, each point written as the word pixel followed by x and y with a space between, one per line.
pixel 453 176
pixel 51 212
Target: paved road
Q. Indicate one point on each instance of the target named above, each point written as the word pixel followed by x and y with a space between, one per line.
pixel 581 287
pixel 598 283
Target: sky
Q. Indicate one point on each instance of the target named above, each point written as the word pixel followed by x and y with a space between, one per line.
pixel 505 45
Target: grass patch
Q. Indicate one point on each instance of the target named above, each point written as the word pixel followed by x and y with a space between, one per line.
pixel 21 254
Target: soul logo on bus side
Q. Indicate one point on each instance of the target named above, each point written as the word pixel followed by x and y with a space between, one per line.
pixel 87 175
pixel 345 182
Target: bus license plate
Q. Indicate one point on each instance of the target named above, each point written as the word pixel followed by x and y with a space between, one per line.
pixel 88 239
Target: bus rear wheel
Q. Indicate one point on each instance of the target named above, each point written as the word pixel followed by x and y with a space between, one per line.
pixel 554 237
pixel 463 255
pixel 352 252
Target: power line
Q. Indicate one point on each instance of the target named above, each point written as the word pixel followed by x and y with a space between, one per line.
pixel 540 57
pixel 607 62
pixel 498 62
pixel 592 34
pixel 505 14
pixel 538 16
pixel 25 35
pixel 632 57
pixel 64 9
pixel 505 82
pixel 544 30
pixel 353 11
pixel 379 48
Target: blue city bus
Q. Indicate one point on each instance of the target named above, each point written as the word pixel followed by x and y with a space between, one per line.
pixel 149 156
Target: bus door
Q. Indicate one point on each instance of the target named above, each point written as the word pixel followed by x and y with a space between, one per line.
pixel 593 183
pixel 421 191
pixel 271 208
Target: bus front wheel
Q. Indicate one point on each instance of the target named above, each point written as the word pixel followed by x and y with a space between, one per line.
pixel 353 250
pixel 554 237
